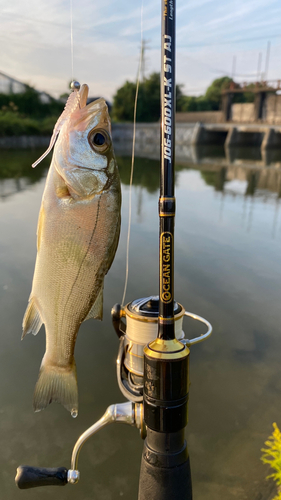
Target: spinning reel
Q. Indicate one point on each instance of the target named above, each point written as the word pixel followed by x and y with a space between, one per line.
pixel 140 329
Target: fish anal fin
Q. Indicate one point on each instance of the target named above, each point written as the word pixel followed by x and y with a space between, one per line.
pixel 96 310
pixel 56 384
pixel 32 320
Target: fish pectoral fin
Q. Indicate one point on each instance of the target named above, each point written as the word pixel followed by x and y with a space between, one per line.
pixel 96 310
pixel 32 320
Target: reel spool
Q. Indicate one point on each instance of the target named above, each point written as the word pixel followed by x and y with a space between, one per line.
pixel 140 329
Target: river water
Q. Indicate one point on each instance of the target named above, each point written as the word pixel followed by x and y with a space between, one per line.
pixel 227 269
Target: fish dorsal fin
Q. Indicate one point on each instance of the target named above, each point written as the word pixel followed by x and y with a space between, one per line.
pixel 71 105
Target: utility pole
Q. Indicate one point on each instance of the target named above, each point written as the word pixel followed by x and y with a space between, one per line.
pixel 144 47
pixel 259 74
pixel 267 60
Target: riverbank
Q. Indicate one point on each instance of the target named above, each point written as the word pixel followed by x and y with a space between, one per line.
pixel 229 135
pixel 24 142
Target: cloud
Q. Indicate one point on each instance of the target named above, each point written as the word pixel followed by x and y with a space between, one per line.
pixel 36 47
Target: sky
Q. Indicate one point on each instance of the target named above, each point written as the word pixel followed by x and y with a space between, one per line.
pixel 214 38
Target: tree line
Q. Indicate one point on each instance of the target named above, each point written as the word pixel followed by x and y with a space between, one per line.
pixel 148 108
pixel 25 113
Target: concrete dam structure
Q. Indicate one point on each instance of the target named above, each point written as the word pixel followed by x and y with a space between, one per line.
pixel 263 135
pixel 237 124
pixel 238 134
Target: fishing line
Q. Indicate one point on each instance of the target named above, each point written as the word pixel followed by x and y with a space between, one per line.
pixel 71 41
pixel 133 160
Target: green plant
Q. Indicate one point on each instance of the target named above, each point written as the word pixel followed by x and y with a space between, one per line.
pixel 12 124
pixel 148 109
pixel 272 456
pixel 29 103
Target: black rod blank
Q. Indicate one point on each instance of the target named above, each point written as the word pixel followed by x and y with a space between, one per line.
pixel 167 175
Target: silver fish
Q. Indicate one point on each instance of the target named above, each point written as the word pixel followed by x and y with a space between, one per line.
pixel 77 237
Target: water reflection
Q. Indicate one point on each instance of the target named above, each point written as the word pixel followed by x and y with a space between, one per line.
pixel 146 172
pixel 234 155
pixel 234 173
pixel 16 173
pixel 227 268
pixel 218 169
pixel 258 352
pixel 255 173
pixel 238 172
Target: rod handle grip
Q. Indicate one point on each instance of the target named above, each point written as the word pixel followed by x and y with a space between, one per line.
pixel 164 483
pixel 31 477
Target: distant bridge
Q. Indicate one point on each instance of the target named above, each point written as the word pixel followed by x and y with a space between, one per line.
pixel 266 105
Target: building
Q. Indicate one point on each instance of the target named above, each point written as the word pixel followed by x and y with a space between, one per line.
pixel 9 85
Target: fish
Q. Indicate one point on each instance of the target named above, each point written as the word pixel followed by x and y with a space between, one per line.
pixel 77 237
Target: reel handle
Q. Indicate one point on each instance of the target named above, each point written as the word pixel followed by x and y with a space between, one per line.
pixel 31 477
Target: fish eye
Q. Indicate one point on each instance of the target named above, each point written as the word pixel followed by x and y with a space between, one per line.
pixel 99 140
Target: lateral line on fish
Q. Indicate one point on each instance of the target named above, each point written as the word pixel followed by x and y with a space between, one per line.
pixel 82 262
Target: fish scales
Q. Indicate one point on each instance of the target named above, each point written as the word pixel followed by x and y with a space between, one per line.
pixel 78 232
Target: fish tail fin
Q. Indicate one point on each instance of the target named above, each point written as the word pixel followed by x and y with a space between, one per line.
pixel 56 384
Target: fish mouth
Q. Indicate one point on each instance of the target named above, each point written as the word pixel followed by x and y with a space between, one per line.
pixel 84 94
pixel 97 105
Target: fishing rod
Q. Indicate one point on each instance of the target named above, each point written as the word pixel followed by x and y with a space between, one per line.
pixel 165 467
pixel 153 356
